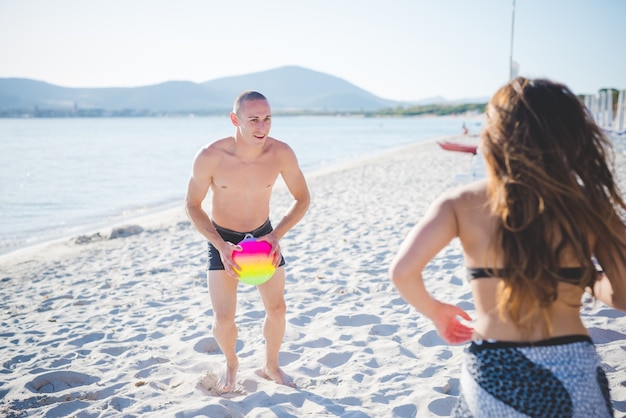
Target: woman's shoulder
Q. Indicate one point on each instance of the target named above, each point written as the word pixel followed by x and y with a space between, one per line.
pixel 476 190
pixel 463 198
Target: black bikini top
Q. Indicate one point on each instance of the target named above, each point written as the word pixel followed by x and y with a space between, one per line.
pixel 571 275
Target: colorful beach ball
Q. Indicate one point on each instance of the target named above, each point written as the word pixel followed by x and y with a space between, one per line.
pixel 255 261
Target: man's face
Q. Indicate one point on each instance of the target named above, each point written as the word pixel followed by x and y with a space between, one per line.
pixel 254 121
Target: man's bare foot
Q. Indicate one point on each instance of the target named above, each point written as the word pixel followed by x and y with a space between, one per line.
pixel 277 375
pixel 228 380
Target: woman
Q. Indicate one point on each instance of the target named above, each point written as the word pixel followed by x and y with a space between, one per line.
pixel 534 234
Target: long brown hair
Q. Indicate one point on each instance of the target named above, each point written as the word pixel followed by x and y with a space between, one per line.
pixel 551 185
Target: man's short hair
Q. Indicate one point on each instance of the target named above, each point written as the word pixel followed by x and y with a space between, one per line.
pixel 245 96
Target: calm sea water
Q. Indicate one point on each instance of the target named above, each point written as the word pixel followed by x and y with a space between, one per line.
pixel 60 177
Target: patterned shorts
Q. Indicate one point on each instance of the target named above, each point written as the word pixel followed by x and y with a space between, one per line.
pixel 558 377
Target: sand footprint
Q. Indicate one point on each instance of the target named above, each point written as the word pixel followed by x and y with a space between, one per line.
pixel 384 330
pixel 334 360
pixel 208 383
pixel 356 320
pixel 58 381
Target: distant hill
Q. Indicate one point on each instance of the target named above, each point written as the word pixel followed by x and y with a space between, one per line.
pixel 288 88
pixel 297 88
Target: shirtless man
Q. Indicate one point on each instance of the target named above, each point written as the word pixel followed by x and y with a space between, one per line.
pixel 240 171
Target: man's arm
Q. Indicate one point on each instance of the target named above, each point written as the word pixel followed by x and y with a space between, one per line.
pixel 296 183
pixel 199 182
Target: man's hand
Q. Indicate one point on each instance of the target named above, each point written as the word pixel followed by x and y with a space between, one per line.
pixel 275 253
pixel 226 254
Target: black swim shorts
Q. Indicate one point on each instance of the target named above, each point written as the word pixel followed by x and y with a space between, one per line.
pixel 215 262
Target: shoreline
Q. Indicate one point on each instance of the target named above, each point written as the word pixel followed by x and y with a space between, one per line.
pixel 168 210
pixel 123 326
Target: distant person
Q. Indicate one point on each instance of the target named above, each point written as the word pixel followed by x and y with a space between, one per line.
pixel 464 129
pixel 531 235
pixel 240 171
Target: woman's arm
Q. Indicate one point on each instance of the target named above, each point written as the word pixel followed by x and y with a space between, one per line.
pixel 426 239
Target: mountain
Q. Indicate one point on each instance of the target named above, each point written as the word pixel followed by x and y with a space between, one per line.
pixel 297 88
pixel 288 88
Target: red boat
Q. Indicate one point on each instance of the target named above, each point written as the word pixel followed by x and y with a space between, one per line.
pixel 455 146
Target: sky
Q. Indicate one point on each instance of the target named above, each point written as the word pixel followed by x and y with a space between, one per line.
pixel 395 49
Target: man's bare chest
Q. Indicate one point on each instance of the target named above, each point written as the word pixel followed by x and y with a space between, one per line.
pixel 244 177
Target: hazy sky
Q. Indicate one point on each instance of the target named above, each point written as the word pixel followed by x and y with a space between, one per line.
pixel 395 49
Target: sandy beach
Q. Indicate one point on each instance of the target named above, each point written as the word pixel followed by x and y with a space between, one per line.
pixel 117 323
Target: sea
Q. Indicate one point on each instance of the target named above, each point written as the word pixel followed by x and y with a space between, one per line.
pixel 66 176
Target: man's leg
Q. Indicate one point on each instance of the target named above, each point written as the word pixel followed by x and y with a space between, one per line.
pixel 272 294
pixel 223 292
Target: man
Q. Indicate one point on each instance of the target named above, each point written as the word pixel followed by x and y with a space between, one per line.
pixel 240 171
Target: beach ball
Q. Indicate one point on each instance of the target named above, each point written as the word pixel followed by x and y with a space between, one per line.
pixel 255 261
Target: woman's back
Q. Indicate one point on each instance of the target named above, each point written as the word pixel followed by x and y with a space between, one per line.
pixel 477 228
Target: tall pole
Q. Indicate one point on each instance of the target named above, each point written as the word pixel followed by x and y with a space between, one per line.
pixel 512 32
